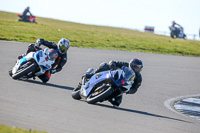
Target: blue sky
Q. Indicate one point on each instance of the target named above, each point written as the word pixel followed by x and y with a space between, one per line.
pixel 134 14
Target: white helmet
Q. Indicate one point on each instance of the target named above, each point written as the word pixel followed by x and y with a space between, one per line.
pixel 63 45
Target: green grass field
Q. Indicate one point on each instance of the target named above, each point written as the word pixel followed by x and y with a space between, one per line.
pixel 81 35
pixel 6 129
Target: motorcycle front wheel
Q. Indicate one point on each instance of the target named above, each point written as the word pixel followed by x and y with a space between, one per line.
pixel 24 71
pixel 76 94
pixel 100 94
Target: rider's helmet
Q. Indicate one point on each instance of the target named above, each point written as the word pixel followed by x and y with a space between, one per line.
pixel 173 22
pixel 136 65
pixel 52 54
pixel 63 45
pixel 28 7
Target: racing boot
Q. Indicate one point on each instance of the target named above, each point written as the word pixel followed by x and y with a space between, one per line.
pixel 116 101
pixel 45 77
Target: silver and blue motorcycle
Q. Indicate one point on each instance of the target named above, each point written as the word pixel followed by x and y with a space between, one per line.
pixel 33 64
pixel 104 85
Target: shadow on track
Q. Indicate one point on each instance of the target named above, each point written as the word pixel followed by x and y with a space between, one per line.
pixel 48 84
pixel 140 112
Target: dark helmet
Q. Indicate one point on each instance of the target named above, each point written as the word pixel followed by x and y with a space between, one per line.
pixel 63 45
pixel 173 22
pixel 136 65
pixel 52 54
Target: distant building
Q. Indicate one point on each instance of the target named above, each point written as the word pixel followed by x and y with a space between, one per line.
pixel 149 29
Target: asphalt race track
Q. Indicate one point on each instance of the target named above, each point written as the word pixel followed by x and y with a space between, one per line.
pixel 50 107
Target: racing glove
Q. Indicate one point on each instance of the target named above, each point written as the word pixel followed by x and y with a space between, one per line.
pixel 112 65
pixel 39 42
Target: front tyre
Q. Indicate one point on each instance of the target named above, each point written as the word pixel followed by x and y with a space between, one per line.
pixel 76 93
pixel 99 94
pixel 24 71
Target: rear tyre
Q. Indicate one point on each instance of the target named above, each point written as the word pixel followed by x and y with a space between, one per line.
pixel 184 36
pixel 99 94
pixel 172 35
pixel 24 71
pixel 20 20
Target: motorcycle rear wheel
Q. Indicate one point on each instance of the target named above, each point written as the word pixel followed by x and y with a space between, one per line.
pixel 98 96
pixel 184 37
pixel 20 73
pixel 19 20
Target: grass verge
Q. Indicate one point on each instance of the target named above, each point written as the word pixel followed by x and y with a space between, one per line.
pixel 7 129
pixel 81 35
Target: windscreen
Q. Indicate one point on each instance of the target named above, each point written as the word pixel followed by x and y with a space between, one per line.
pixel 129 74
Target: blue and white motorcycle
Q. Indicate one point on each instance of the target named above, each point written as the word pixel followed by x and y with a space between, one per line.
pixel 104 85
pixel 176 32
pixel 33 64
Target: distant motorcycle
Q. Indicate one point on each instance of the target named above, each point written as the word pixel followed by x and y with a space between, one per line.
pixel 31 19
pixel 105 85
pixel 176 32
pixel 33 64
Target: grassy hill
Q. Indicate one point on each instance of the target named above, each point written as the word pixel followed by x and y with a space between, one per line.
pixel 81 35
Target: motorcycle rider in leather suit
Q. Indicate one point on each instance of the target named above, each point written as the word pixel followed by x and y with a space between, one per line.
pixel 24 14
pixel 135 64
pixel 61 48
pixel 174 24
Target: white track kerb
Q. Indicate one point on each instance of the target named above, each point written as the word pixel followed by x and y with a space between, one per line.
pixel 170 103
